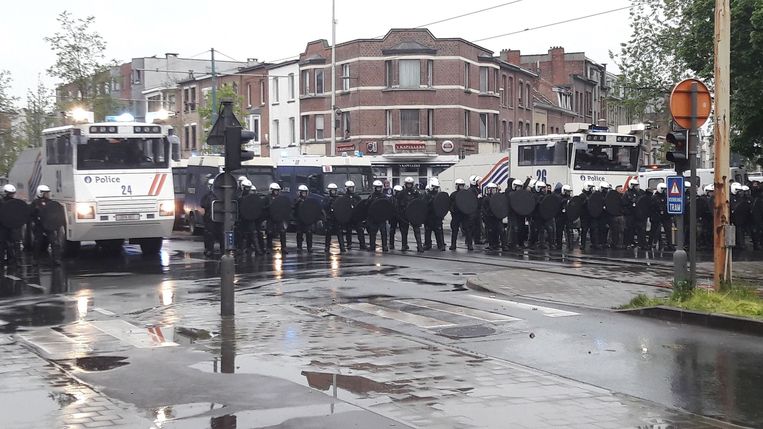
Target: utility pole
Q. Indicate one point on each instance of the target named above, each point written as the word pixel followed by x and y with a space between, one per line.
pixel 214 88
pixel 692 141
pixel 721 217
pixel 333 77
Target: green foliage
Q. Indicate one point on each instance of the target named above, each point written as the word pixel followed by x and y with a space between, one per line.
pixel 205 111
pixel 735 299
pixel 673 39
pixel 682 291
pixel 38 114
pixel 10 143
pixel 7 101
pixel 642 301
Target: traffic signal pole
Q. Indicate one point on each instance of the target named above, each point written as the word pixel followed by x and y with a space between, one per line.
pixel 692 138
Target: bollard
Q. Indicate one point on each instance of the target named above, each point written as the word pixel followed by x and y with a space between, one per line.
pixel 679 265
pixel 227 272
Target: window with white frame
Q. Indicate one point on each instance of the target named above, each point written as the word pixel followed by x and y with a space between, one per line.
pixel 262 91
pixel 409 122
pixel 466 122
pixel 521 93
pixel 388 73
pixel 346 125
pixel 345 77
pixel 410 73
pixel 249 94
pixel 430 73
pixel 291 86
pixel 305 125
pixel 430 122
pixel 253 123
pixel 319 127
pixel 319 81
pixel 483 125
pixel 484 75
pixel 388 122
pixel 305 82
pixel 275 91
pixel 292 131
pixel 275 134
pixel 466 75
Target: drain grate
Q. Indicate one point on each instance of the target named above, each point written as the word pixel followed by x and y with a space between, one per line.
pixel 474 331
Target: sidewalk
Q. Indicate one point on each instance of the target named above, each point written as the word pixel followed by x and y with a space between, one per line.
pixel 560 288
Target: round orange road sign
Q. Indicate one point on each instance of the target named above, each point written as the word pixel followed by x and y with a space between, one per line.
pixel 680 103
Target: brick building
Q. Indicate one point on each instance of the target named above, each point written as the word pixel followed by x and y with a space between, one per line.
pixel 412 102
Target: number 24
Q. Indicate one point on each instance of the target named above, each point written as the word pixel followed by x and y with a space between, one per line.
pixel 126 190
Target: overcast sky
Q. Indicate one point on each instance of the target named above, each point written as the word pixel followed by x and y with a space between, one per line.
pixel 272 30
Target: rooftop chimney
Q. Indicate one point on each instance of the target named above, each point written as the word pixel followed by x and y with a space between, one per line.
pixel 511 56
pixel 171 55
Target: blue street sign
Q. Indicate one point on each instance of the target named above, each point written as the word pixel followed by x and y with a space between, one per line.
pixel 675 194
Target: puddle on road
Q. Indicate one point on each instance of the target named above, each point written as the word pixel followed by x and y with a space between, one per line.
pixel 356 384
pixel 44 313
pixel 99 363
pixel 181 411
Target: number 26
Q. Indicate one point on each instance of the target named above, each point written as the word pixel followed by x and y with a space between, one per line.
pixel 541 175
pixel 126 190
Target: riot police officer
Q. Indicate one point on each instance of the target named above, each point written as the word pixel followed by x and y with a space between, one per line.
pixel 394 222
pixel 212 229
pixel 247 233
pixel 756 224
pixel 493 228
pixel 659 218
pixel 543 229
pixel 585 218
pixel 516 222
pixel 458 219
pixel 373 227
pixel 304 231
pixel 275 228
pixel 349 189
pixel 634 227
pixel 706 217
pixel 10 238
pixel 563 225
pixel 475 220
pixel 408 194
pixel 42 237
pixel 332 226
pixel 433 223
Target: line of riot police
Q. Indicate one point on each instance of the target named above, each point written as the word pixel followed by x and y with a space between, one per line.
pixel 528 214
pixel 43 219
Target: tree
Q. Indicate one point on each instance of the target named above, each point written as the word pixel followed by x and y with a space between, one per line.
pixel 81 64
pixel 7 101
pixel 10 144
pixel 205 111
pixel 673 39
pixel 38 114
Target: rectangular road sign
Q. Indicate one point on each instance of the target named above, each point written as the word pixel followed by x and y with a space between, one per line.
pixel 675 194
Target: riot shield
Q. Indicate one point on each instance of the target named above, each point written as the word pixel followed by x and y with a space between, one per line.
pixel 441 204
pixel 466 202
pixel 52 216
pixel 381 210
pixel 522 202
pixel 643 207
pixel 343 209
pixel 416 211
pixel 550 206
pixel 613 203
pixel 595 204
pixel 740 213
pixel 280 208
pixel 574 207
pixel 14 213
pixel 251 207
pixel 757 210
pixel 360 211
pixel 499 205
pixel 309 211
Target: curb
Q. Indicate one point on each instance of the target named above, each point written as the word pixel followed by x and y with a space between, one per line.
pixel 709 320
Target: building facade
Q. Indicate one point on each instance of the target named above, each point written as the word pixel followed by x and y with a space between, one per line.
pixel 284 109
pixel 411 102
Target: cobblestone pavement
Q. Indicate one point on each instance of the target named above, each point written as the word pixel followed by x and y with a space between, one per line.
pixel 35 393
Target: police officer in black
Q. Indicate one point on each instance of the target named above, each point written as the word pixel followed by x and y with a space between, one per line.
pixel 705 239
pixel 659 218
pixel 349 188
pixel 475 220
pixel 42 237
pixel 493 227
pixel 544 228
pixel 212 229
pixel 408 194
pixel 304 231
pixel 275 228
pixel 394 222
pixel 756 224
pixel 564 225
pixel 459 220
pixel 585 217
pixel 373 227
pixel 332 225
pixel 433 223
pixel 516 222
pixel 247 233
pixel 635 228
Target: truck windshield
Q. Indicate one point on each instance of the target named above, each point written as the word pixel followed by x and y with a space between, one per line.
pixel 361 176
pixel 607 158
pixel 122 153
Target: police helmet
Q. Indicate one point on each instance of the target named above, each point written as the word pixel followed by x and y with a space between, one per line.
pixel 42 189
pixel 633 184
pixel 735 188
pixel 709 188
pixel 588 186
pixel 434 182
pixel 275 187
pixel 349 184
pixel 408 180
pixel 474 180
pixel 378 183
pixel 539 186
pixel 241 179
pixel 745 188
pixel 397 188
pixel 491 187
pixel 661 187
pixel 517 184
pixel 332 186
pixel 210 183
pixel 460 182
pixel 605 185
pixel 566 189
pixel 302 188
pixel 246 184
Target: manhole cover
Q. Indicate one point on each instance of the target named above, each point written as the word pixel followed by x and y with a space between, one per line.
pixel 467 331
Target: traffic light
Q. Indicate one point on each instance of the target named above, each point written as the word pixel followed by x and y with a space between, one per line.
pixel 679 156
pixel 235 136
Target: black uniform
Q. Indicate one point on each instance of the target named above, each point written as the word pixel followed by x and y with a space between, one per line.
pixel 248 233
pixel 376 228
pixel 275 228
pixel 42 237
pixel 394 223
pixel 705 216
pixel 661 220
pixel 586 232
pixel 458 220
pixel 493 225
pixel 635 228
pixel 353 225
pixel 332 226
pixel 212 230
pixel 433 223
pixel 304 230
pixel 756 224
pixel 404 197
pixel 475 220
pixel 740 215
pixel 563 227
pixel 543 230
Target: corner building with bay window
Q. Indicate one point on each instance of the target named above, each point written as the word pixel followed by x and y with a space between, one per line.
pixel 413 103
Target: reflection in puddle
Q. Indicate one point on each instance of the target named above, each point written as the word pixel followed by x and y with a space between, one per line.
pixel 167 292
pixel 351 383
pixel 99 363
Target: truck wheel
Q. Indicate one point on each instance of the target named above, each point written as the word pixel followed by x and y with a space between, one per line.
pixel 111 247
pixel 151 246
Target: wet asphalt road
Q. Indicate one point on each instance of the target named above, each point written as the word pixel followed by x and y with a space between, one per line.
pixel 397 297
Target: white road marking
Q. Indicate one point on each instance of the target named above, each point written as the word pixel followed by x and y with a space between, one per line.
pixel 546 311
pixel 54 343
pixel 129 333
pixel 12 277
pixel 36 286
pixel 485 316
pixel 400 316
pixel 103 311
